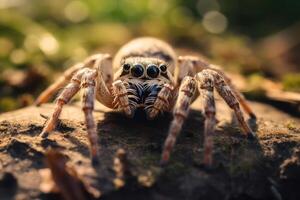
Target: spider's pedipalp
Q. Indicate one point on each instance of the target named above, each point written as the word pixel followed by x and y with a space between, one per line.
pixel 161 102
pixel 180 112
pixel 121 98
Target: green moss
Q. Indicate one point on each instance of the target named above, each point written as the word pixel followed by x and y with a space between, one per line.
pixel 150 159
pixel 291 82
pixel 254 87
pixel 291 125
pixel 175 168
pixel 7 104
pixel 255 80
pixel 245 162
pixel 224 145
pixel 242 168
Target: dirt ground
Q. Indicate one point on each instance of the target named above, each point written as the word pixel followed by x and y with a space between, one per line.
pixel 265 168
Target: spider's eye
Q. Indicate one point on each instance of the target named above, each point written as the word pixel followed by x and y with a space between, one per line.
pixel 152 71
pixel 163 68
pixel 137 70
pixel 126 67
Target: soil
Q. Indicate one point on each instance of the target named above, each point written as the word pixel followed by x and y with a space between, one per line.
pixel 264 168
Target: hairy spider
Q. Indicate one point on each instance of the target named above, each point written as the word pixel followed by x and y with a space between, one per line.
pixel 148 75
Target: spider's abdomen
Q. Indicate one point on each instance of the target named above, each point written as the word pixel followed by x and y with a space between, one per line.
pixel 146 47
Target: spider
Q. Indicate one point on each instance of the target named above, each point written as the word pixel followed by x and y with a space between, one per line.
pixel 149 76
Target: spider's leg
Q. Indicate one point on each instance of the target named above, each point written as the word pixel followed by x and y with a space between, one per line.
pixel 206 89
pixel 85 80
pixel 88 98
pixel 236 92
pixel 60 83
pixel 68 74
pixel 190 65
pixel 161 101
pixel 68 92
pixel 243 102
pixel 228 95
pixel 121 98
pixel 186 92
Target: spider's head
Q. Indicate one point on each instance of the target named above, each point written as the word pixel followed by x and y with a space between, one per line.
pixel 144 68
pixel 143 79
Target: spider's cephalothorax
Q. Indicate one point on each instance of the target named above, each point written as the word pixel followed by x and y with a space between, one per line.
pixel 147 75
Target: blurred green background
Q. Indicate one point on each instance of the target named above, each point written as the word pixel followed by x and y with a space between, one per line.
pixel 39 39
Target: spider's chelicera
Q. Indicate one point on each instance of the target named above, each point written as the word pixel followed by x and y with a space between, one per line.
pixel 148 75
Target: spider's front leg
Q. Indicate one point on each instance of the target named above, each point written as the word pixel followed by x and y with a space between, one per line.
pixel 206 90
pixel 186 93
pixel 85 79
pixel 88 98
pixel 228 95
pixel 190 65
pixel 240 97
pixel 90 62
pixel 61 82
pixel 69 91
pixel 206 81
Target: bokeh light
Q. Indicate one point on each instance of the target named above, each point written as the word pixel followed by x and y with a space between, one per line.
pixel 48 44
pixel 76 11
pixel 214 22
pixel 18 56
pixel 51 35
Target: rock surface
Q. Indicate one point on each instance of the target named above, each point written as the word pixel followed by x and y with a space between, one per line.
pixel 266 168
